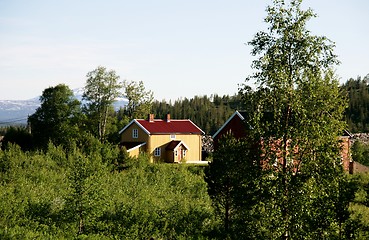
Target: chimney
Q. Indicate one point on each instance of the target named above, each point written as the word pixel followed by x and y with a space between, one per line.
pixel 168 117
pixel 151 117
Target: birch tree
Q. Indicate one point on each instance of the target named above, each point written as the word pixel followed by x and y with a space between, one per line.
pixel 101 90
pixel 297 115
pixel 139 99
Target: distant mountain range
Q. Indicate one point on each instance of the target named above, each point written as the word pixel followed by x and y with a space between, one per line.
pixel 17 111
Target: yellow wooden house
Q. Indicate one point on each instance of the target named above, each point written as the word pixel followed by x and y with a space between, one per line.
pixel 168 140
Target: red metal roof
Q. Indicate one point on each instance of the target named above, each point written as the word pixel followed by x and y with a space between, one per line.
pixel 173 126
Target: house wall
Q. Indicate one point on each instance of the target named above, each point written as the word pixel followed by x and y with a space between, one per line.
pixel 193 142
pixel 135 152
pixel 345 154
pixel 155 142
pixel 126 136
pixel 238 129
pixel 236 126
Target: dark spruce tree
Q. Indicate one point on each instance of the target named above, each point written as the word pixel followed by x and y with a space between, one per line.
pixel 209 113
pixel 357 113
pixel 234 173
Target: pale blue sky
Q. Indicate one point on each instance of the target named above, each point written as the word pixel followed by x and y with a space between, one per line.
pixel 177 48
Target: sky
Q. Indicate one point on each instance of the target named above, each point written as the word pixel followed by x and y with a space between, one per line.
pixel 177 48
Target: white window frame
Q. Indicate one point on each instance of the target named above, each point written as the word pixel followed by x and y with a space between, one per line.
pixel 135 133
pixel 157 152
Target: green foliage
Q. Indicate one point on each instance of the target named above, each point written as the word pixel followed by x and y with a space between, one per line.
pixel 360 152
pixel 101 90
pixel 160 201
pixel 139 99
pixel 232 175
pixel 283 182
pixel 297 118
pixel 208 113
pixel 31 196
pixel 85 202
pixel 19 136
pixel 57 119
pixel 357 113
pixel 74 194
pixel 359 207
pixel 118 121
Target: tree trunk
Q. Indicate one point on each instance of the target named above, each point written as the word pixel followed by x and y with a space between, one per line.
pixel 103 127
pixel 226 218
pixel 81 225
pixel 285 184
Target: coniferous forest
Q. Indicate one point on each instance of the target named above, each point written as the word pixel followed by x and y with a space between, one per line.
pixel 357 112
pixel 210 112
pixel 64 176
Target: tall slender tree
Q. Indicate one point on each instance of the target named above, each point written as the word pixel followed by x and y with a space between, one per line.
pixel 297 116
pixel 101 90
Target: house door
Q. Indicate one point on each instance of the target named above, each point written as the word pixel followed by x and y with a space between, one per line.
pixel 179 153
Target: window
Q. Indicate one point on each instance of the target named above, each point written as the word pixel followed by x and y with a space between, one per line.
pixel 135 133
pixel 176 153
pixel 184 152
pixel 157 152
pixel 172 136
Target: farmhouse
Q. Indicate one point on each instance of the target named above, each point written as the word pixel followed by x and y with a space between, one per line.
pixel 168 140
pixel 237 126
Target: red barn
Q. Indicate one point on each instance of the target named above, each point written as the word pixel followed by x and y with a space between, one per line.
pixel 237 126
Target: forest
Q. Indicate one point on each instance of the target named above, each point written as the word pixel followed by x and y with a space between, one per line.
pixel 356 114
pixel 210 112
pixel 64 176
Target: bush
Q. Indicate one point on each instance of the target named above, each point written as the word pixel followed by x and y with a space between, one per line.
pixel 65 194
pixel 360 152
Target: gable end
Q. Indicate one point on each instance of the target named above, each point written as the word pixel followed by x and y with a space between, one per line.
pixel 134 121
pixel 236 113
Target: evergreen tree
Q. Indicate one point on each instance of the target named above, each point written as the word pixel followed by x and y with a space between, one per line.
pixel 232 174
pixel 19 136
pixel 209 113
pixel 357 113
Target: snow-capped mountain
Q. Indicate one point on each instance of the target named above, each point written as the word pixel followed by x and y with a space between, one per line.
pixel 119 102
pixel 17 111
